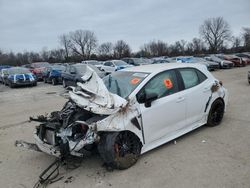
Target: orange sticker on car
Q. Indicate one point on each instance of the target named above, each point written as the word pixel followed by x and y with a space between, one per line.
pixel 135 81
pixel 168 83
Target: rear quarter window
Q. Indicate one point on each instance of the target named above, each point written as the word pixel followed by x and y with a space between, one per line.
pixel 191 77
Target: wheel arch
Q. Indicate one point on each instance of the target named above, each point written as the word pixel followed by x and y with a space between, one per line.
pixel 101 133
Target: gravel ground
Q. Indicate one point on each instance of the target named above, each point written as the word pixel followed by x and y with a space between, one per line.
pixel 206 157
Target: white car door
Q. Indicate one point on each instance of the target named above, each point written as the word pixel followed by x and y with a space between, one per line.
pixel 197 92
pixel 167 113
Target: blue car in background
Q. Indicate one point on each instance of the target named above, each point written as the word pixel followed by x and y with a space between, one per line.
pixel 190 59
pixel 53 74
pixel 19 76
pixel 4 67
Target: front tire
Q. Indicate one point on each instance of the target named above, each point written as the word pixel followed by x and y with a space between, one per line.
pixel 54 81
pixel 216 113
pixel 119 150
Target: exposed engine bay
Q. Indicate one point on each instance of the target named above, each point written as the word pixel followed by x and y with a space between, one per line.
pixel 68 131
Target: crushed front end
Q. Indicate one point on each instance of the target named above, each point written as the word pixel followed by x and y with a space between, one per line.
pixel 74 129
pixel 70 131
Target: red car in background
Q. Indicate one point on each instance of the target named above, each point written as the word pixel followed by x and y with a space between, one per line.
pixel 238 62
pixel 37 69
pixel 244 57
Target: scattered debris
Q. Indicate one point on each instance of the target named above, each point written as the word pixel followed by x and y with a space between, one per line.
pixel 51 93
pixel 175 142
pixel 69 179
pixel 203 141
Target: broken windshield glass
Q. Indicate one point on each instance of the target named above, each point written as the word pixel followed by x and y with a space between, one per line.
pixel 123 83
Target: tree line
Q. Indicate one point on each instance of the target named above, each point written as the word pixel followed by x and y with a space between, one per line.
pixel 215 37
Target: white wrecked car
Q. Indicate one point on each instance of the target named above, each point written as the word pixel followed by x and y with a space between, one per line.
pixel 131 112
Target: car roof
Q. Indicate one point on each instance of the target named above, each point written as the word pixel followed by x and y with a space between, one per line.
pixel 155 68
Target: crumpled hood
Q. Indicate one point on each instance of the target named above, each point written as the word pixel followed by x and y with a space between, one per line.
pixel 92 95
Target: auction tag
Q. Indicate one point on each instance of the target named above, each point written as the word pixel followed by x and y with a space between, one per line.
pixel 135 81
pixel 168 83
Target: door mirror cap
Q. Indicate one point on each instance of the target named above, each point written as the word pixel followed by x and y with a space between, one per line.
pixel 149 98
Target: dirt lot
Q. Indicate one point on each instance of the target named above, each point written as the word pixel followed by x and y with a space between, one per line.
pixel 207 157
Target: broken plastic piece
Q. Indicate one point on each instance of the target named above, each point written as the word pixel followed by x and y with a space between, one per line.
pixel 27 145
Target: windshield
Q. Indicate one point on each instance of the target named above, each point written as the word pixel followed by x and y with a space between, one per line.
pixel 119 63
pixel 197 60
pixel 93 62
pixel 19 71
pixel 123 83
pixel 81 68
pixel 94 68
pixel 139 61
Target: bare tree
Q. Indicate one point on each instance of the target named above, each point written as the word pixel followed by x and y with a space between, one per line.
pixel 236 42
pixel 121 49
pixel 65 42
pixel 215 31
pixel 105 49
pixel 246 38
pixel 83 42
pixel 155 49
pixel 198 45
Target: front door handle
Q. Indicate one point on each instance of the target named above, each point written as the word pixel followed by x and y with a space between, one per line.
pixel 180 99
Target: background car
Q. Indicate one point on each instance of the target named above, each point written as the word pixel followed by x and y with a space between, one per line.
pixel 224 64
pixel 96 63
pixel 37 69
pixel 244 58
pixel 73 73
pixel 237 61
pixel 190 59
pixel 4 67
pixel 138 61
pixel 53 74
pixel 3 76
pixel 19 76
pixel 114 65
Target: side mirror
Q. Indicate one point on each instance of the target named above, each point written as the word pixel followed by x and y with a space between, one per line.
pixel 149 98
pixel 146 98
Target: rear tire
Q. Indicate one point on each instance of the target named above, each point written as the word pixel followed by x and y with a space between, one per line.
pixel 216 113
pixel 119 150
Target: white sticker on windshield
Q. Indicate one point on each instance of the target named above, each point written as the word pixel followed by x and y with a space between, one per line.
pixel 142 75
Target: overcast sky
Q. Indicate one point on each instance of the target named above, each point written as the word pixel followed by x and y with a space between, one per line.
pixel 33 24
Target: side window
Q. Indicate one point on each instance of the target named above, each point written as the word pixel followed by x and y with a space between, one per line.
pixel 107 63
pixel 163 84
pixel 190 77
pixel 202 77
